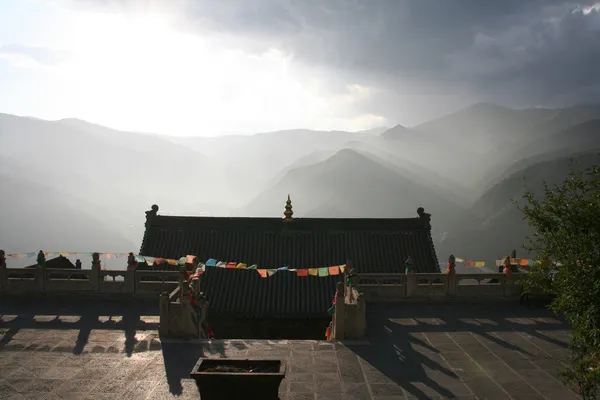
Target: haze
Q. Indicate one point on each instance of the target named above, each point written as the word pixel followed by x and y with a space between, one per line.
pixel 355 108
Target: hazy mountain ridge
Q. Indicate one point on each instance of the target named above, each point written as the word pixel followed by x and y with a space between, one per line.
pixel 440 165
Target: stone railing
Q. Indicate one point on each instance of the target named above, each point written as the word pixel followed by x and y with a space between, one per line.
pixel 52 281
pixel 381 288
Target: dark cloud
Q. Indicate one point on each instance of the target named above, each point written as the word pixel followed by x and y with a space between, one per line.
pixel 515 52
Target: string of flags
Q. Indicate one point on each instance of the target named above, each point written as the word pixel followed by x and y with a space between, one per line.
pixel 469 263
pixel 263 272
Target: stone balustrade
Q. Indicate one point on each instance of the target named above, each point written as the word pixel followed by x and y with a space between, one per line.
pixel 97 282
pixel 381 288
pixel 349 319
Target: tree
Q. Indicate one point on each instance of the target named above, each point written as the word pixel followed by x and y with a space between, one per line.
pixel 566 222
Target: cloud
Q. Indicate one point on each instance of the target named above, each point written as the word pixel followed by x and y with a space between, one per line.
pixel 32 56
pixel 417 55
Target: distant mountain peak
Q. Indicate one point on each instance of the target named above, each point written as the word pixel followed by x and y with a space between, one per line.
pixel 396 132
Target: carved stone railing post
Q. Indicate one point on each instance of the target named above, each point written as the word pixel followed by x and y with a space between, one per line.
pixel 183 284
pixel 3 272
pixel 451 282
pixel 411 285
pixel 130 279
pixel 163 327
pixel 95 277
pixel 339 315
pixel 40 278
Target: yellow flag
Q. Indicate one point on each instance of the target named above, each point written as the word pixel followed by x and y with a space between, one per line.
pixel 343 268
pixel 172 262
pixel 313 271
pixel 241 265
pixel 480 264
pixel 271 271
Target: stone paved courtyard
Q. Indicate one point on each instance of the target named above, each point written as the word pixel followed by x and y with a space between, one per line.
pixel 93 349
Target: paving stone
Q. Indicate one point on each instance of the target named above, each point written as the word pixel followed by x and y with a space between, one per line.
pixel 429 352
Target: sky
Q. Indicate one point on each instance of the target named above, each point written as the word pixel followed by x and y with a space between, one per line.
pixel 215 67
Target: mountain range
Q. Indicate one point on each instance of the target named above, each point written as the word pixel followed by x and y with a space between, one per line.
pixel 69 185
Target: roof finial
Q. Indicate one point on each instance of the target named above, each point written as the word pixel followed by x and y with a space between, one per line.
pixel 288 210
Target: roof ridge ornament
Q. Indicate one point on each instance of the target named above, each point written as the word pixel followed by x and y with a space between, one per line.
pixel 151 214
pixel 288 213
pixel 425 217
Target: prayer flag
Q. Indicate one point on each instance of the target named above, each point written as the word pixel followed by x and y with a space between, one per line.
pixel 30 254
pixel 231 265
pixel 514 261
pixel 182 261
pixel 459 260
pixel 241 265
pixel 302 272
pixel 64 254
pixel 172 262
pixel 524 262
pixel 190 259
pixel 109 255
pixel 499 263
pixel 262 273
pixel 253 266
pixel 324 271
pixel 343 268
pixel 480 264
pixel 283 268
pixel 271 271
pixel 221 264
pixel 140 259
pixel 470 263
pixel 150 260
pixel 313 271
pixel 532 263
pixel 159 260
pixel 211 262
pixel 334 270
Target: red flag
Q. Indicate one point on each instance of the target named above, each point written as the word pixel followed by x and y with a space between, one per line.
pixel 470 263
pixel 302 272
pixel 230 265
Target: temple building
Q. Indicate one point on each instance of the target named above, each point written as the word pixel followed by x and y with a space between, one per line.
pixel 285 305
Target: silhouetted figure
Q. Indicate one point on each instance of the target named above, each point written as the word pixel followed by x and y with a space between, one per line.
pixel 78 264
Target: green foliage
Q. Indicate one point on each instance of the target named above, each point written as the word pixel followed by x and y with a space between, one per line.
pixel 566 222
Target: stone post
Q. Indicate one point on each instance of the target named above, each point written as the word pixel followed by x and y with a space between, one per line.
pixel 3 272
pixel 183 284
pixel 451 283
pixel 130 283
pixel 95 277
pixel 163 327
pixel 40 278
pixel 411 284
pixel 339 314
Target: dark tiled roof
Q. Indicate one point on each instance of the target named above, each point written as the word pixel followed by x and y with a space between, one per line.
pixel 57 262
pixel 244 294
pixel 372 245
